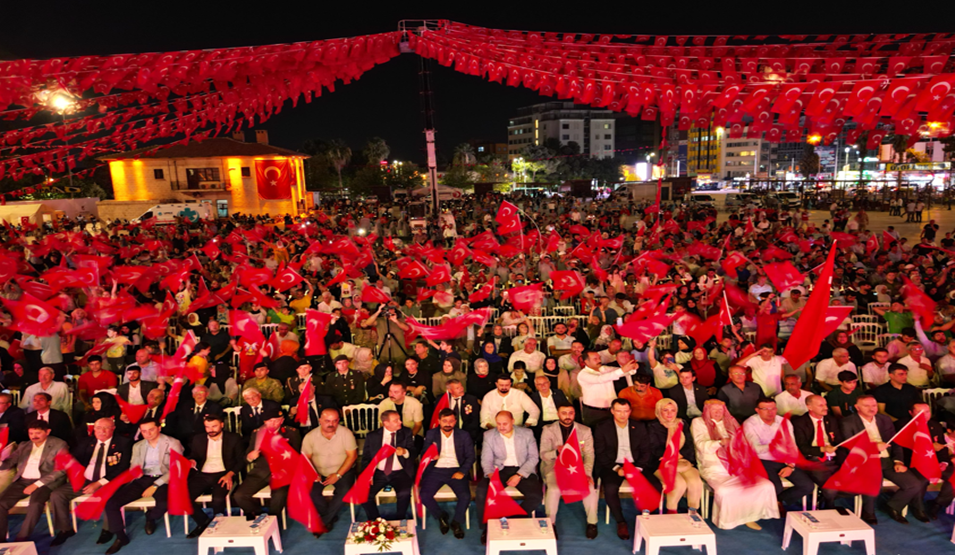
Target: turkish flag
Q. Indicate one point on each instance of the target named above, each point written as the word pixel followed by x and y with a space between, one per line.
pixel 360 490
pixel 300 505
pixel 645 496
pixel 526 298
pixel 783 448
pixel 706 251
pixel 887 239
pixel 371 294
pixel 92 507
pixel 483 293
pixel 459 253
pixel 413 270
pixel 919 303
pixel 32 316
pixel 301 413
pixel 133 412
pixel 74 470
pixel 915 436
pixel 861 472
pixel 180 502
pixel 499 504
pixel 569 471
pixel 732 262
pixel 440 273
pixel 643 330
pixel 568 281
pixel 173 398
pixel 245 327
pixel 872 244
pixel 316 326
pixel 808 333
pixel 285 279
pixel 773 251
pixel 670 459
pixel 783 275
pixel 280 455
pixel 274 179
pixel 742 460
pixel 431 454
pixel 453 327
pixel 443 403
pixel 508 220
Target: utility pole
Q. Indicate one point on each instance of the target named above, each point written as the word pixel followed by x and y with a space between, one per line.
pixel 427 111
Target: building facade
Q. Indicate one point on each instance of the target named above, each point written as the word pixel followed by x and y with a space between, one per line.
pixel 237 177
pixel 704 145
pixel 592 129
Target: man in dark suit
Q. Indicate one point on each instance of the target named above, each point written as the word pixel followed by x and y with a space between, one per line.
pixel 12 417
pixel 451 467
pixel 937 431
pixel 190 416
pixel 466 409
pixel 316 404
pixel 59 421
pixel 881 429
pixel 816 434
pixel 398 470
pixel 502 342
pixel 106 455
pixel 217 459
pixel 686 390
pixel 34 479
pixel 252 411
pixel 261 472
pixel 547 401
pixel 608 459
pixel 135 388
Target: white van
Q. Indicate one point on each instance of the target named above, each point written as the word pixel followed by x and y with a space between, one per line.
pixel 167 213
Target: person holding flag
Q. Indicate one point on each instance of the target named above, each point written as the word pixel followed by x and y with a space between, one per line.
pixel 454 452
pixel 673 447
pixel 926 451
pixel 567 465
pixel 333 451
pixel 817 435
pixel 396 470
pixel 272 451
pixel 881 431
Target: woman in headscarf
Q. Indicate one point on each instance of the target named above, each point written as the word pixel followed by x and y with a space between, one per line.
pixel 494 361
pixel 685 345
pixel 840 339
pixel 551 369
pixel 687 479
pixel 481 381
pixel 378 385
pixel 364 361
pixel 450 370
pixel 222 386
pixel 707 374
pixel 102 405
pixel 735 501
pixel 606 336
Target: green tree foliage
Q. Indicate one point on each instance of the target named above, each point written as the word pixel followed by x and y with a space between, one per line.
pixel 809 162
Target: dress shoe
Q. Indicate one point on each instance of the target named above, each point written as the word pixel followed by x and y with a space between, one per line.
pixel 933 511
pixel 591 531
pixel 150 527
pixel 484 537
pixel 318 535
pixel 443 524
pixel 104 537
pixel 921 516
pixel 782 509
pixel 61 537
pixel 897 516
pixel 117 545
pixel 622 532
pixel 456 528
pixel 869 519
pixel 198 530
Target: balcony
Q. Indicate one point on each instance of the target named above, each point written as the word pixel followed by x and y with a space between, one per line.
pixel 202 187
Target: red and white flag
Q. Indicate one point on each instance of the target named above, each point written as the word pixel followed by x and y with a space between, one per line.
pixel 916 436
pixel 359 492
pixel 569 471
pixel 671 459
pixel 281 457
pixel 180 502
pixel 431 454
pixel 568 281
pixel 810 327
pixel 861 472
pixel 133 412
pixel 499 504
pixel 301 412
pixel 300 505
pixel 92 508
pixel 645 496
pixel 316 327
pixel 74 470
pixel 508 220
pixel 526 298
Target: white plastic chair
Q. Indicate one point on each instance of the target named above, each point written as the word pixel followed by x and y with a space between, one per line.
pixel 144 503
pixel 442 495
pixel 361 418
pixel 25 503
pixel 233 419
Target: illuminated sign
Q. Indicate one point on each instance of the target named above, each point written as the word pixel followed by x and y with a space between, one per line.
pixel 918 167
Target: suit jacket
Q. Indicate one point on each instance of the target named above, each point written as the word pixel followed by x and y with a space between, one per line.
pixel 552 440
pixel 144 387
pixel 165 444
pixel 322 402
pixel 117 454
pixel 15 419
pixel 50 477
pixel 463 447
pixel 605 445
pixel 403 438
pixel 60 426
pixel 658 443
pixel 250 423
pixel 470 416
pixel 188 423
pixel 261 465
pixel 233 456
pixel 678 394
pixel 804 433
pixel 559 399
pixel 852 424
pixel 494 453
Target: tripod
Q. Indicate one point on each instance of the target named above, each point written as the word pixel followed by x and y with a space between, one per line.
pixel 387 342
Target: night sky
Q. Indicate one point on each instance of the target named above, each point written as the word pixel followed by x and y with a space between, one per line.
pixel 385 101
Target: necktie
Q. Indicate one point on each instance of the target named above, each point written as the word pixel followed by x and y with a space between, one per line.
pixel 820 434
pixel 198 409
pixel 457 411
pixel 100 454
pixel 390 463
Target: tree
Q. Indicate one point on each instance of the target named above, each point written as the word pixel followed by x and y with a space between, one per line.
pixel 376 150
pixel 458 176
pixel 809 163
pixel 464 155
pixel 899 145
pixel 319 173
pixel 339 154
pixel 524 166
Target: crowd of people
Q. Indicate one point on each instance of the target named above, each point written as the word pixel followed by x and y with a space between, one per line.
pixel 158 327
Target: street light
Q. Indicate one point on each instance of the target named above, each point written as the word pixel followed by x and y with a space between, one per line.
pixel 62 102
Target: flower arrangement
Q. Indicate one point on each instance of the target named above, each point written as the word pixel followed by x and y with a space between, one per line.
pixel 378 533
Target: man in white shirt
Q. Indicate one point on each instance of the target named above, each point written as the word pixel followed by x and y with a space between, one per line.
pixel 455 458
pixel 36 477
pixel 507 398
pixel 919 365
pixel 876 372
pixel 793 400
pixel 768 369
pixel 946 366
pixel 328 303
pixel 570 364
pixel 560 343
pixel 761 286
pixel 410 409
pixel 217 458
pixel 827 371
pixel 57 390
pixel 531 357
pixel 596 386
pixel 760 429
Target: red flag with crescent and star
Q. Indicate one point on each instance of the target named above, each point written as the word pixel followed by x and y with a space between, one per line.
pixel 300 506
pixel 916 436
pixel 861 473
pixel 427 458
pixel 671 459
pixel 499 503
pixel 274 179
pixel 180 503
pixel 569 471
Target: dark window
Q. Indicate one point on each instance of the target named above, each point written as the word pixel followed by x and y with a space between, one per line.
pixel 246 172
pixel 157 174
pixel 565 126
pixel 203 174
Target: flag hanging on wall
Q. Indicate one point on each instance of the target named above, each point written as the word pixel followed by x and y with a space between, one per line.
pixel 274 178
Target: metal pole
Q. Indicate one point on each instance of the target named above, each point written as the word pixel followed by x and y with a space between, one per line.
pixel 427 109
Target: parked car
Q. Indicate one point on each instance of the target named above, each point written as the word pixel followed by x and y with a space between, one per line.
pixel 741 200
